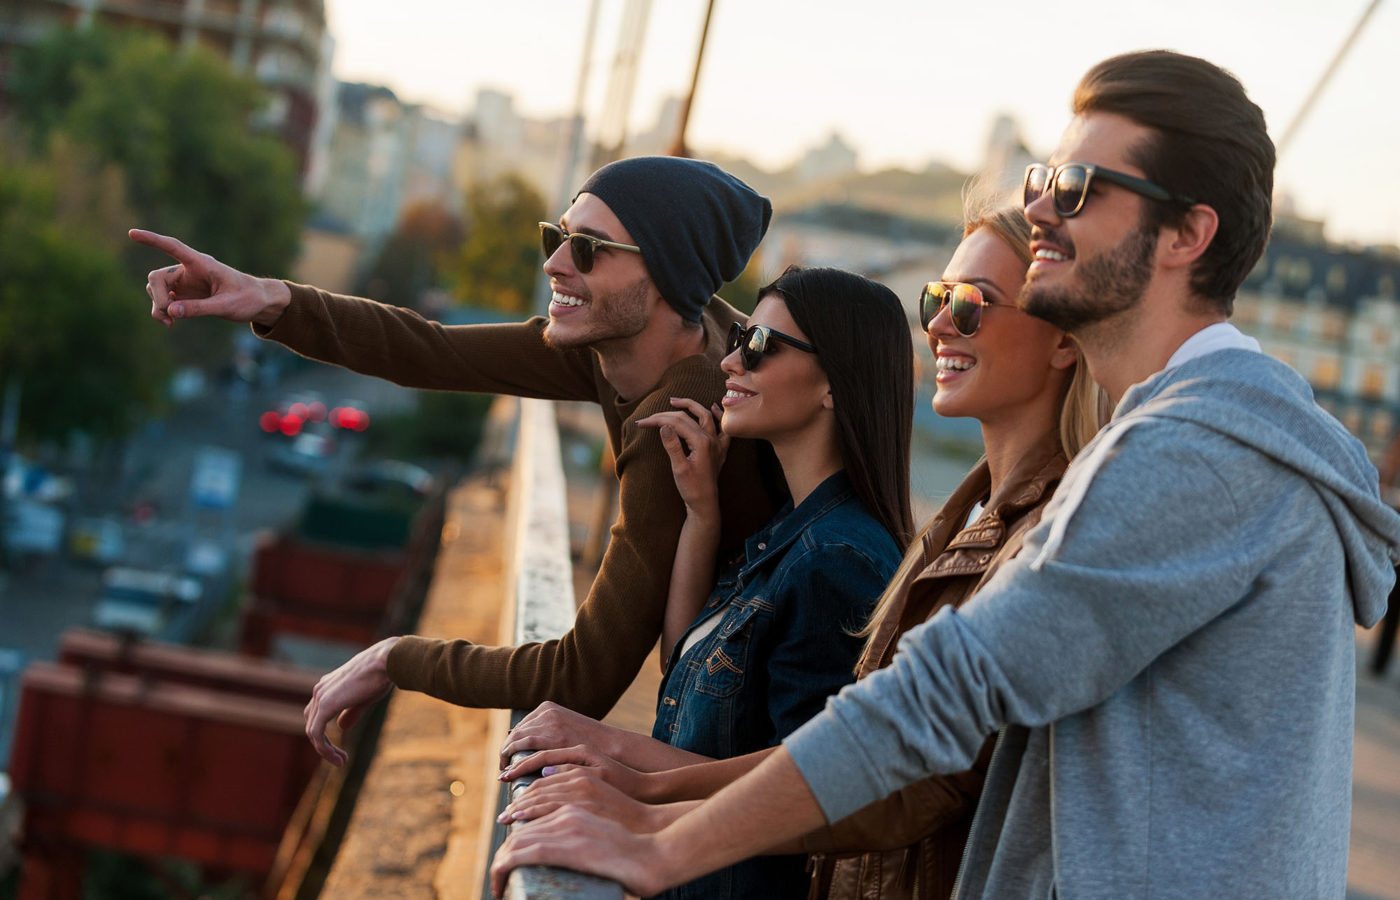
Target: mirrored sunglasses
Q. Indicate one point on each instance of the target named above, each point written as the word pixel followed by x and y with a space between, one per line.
pixel 964 302
pixel 757 340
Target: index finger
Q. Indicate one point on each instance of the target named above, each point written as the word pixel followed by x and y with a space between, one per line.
pixel 164 243
pixel 705 418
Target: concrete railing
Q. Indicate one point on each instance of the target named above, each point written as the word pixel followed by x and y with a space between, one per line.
pixel 540 582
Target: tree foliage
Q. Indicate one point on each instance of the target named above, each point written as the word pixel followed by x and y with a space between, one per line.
pixel 112 130
pixel 742 292
pixel 500 259
pixel 178 125
pixel 416 256
pixel 84 356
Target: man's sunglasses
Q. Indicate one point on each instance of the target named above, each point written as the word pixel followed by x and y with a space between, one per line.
pixel 1069 186
pixel 965 302
pixel 582 247
pixel 757 340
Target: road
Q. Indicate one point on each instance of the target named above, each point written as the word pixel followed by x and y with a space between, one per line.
pixel 37 604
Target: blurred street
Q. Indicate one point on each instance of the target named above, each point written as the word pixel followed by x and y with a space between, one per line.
pixel 53 593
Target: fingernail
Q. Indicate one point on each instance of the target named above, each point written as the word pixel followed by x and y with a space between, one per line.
pixel 503 818
pixel 176 310
pixel 549 770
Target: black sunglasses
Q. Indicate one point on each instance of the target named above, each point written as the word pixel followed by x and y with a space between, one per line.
pixel 582 247
pixel 756 341
pixel 965 302
pixel 1069 184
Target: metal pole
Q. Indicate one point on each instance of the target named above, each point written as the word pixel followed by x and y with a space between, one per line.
pixel 1336 63
pixel 678 147
pixel 572 148
pixel 9 428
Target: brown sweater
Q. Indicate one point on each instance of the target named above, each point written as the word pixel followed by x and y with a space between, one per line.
pixel 913 839
pixel 618 623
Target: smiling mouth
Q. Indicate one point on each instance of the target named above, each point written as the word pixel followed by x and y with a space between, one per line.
pixel 954 363
pixel 1053 255
pixel 733 394
pixel 566 300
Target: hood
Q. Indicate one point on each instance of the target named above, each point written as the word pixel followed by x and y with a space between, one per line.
pixel 1262 403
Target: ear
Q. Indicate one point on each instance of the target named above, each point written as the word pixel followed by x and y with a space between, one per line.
pixel 827 401
pixel 1181 245
pixel 1066 352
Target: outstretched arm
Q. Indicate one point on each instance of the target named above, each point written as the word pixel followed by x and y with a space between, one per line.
pixel 200 285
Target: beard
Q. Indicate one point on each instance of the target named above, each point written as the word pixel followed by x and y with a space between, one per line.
pixel 615 317
pixel 1106 284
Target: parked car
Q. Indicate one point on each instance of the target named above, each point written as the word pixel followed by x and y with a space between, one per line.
pixel 309 453
pixel 144 601
pixel 391 475
pixel 97 540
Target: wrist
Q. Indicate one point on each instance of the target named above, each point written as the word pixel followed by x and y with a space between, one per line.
pixel 381 654
pixel 650 787
pixel 277 296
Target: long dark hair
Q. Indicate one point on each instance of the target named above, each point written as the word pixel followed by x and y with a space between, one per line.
pixel 863 345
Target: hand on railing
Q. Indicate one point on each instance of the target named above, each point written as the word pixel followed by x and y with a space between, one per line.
pixel 585 789
pixel 550 725
pixel 580 758
pixel 579 840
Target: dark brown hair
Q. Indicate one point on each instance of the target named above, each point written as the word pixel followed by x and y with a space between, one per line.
pixel 1211 144
pixel 863 345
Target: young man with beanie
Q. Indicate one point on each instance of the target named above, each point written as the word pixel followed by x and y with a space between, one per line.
pixel 1170 662
pixel 632 322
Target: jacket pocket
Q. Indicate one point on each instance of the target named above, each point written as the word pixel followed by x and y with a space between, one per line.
pixel 722 670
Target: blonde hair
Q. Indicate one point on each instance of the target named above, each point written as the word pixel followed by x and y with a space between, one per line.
pixel 1083 410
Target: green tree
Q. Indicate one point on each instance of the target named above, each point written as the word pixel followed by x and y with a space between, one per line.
pixel 500 258
pixel 180 126
pixel 416 256
pixel 742 292
pixel 83 356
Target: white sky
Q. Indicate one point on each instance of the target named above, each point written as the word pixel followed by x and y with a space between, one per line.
pixel 906 82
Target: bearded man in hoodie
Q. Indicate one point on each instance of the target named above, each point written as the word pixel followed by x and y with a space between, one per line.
pixel 1170 663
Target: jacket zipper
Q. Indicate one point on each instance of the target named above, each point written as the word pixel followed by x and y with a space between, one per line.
pixel 814 870
pixel 976 817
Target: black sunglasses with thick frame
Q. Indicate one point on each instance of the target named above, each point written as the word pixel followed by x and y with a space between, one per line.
pixel 582 247
pixel 754 342
pixel 1070 183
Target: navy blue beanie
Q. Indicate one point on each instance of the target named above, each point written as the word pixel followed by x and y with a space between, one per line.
pixel 697 225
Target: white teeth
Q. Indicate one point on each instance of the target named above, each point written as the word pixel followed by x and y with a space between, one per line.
pixel 559 299
pixel 1055 255
pixel 732 394
pixel 954 363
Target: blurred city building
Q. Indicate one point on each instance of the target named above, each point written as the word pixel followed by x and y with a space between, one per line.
pixel 497 140
pixel 382 155
pixel 1333 314
pixel 284 44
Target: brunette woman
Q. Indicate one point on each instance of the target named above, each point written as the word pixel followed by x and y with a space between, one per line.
pixel 823 373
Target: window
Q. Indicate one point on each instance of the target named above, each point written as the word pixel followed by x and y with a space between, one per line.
pixel 1373 381
pixel 1326 373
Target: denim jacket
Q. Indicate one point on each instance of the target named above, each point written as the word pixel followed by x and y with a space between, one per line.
pixel 782 645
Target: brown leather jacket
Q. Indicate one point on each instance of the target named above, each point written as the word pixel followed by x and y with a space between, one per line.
pixel 912 841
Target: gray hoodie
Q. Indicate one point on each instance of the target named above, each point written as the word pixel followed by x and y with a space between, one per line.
pixel 1170 659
